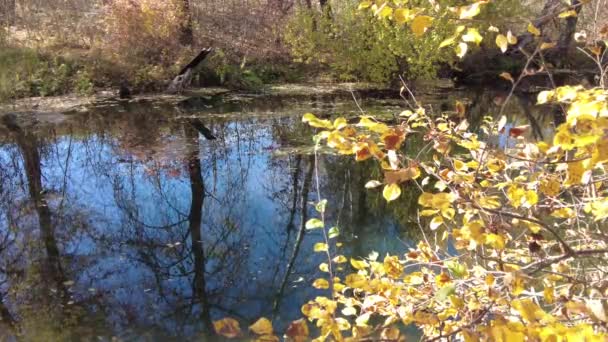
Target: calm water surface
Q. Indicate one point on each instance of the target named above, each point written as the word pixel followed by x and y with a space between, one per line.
pixel 126 222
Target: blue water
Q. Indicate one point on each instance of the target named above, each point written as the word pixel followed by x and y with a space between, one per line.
pixel 103 246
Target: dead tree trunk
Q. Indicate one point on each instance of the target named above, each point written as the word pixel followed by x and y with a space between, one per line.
pixel 550 11
pixel 183 79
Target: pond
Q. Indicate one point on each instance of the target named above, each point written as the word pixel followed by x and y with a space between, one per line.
pixel 127 222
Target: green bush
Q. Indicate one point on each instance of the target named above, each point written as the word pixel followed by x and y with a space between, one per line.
pixel 355 46
pixel 25 73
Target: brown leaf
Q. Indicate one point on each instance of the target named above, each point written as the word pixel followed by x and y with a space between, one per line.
pixel 297 331
pixel 227 327
pixel 393 139
pixel 403 175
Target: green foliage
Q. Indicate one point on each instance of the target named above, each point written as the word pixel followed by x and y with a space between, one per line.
pixel 357 46
pixel 83 85
pixel 24 72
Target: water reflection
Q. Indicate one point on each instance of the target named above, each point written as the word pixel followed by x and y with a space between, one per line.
pixel 132 221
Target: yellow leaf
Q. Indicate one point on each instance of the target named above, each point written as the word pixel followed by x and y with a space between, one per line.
pixel 372 125
pixel 314 224
pixel 349 311
pixel 575 173
pixel 227 327
pixel 436 222
pixel 340 259
pixel 340 123
pixel 490 202
pixel 365 4
pixel 495 241
pixel 391 192
pixel 359 264
pixel 402 15
pixel 563 213
pixel 549 294
pixel 507 77
pixel 515 282
pixel 421 24
pixel 567 14
pixel 320 247
pixel 533 29
pixel 321 284
pixel 534 228
pixel 545 46
pixel 544 97
pixel 519 197
pixel 263 326
pixel 313 121
pixel 502 43
pixel 355 281
pixel 472 36
pixel 342 324
pixel 529 310
pixel 511 39
pixel 550 186
pixel 392 266
pixel 390 334
pixel 385 12
pixel 461 50
pixel 363 319
pixel 468 12
pixel 324 267
pixel 447 42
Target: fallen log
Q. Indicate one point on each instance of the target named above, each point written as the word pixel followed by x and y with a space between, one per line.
pixel 183 79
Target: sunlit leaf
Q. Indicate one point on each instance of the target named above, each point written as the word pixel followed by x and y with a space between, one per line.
pixel 445 292
pixel 373 184
pixel 321 284
pixel 320 207
pixel 436 222
pixel 333 232
pixel 402 15
pixel 349 311
pixel 320 247
pixel 461 49
pixel 511 38
pixel 391 192
pixel 359 264
pixel 472 36
pixel 262 326
pixel 567 14
pixel 507 77
pixel 502 43
pixel 421 24
pixel 340 259
pixel 314 224
pixel 471 11
pixel 545 46
pixel 533 29
pixel 227 327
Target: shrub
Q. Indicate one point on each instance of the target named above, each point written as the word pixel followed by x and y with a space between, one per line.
pixel 142 37
pixel 355 46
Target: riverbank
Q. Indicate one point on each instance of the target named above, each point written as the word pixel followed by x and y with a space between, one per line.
pixel 76 102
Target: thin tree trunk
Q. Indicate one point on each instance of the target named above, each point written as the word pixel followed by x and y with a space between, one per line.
pixel 195 219
pixel 300 237
pixel 187 32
